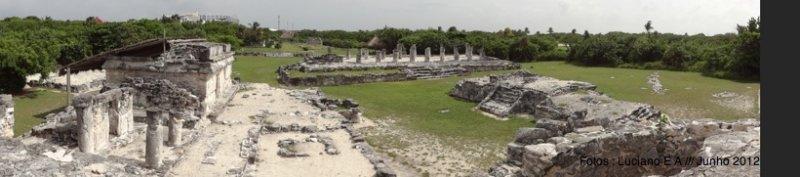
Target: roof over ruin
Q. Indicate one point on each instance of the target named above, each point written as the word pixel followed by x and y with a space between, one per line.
pixel 148 48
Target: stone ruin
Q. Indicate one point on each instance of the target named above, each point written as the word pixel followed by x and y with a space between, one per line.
pixel 408 65
pixel 581 132
pixel 516 93
pixel 349 109
pixel 6 116
pixel 149 85
pixel 323 59
pixel 108 116
pixel 201 67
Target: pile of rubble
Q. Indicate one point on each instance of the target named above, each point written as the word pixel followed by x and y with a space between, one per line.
pixel 580 132
pixel 349 109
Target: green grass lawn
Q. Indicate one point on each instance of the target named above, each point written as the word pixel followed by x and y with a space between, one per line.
pixel 689 94
pixel 298 48
pixel 418 105
pixel 260 69
pixel 30 108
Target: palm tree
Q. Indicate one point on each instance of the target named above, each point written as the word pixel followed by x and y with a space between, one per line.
pixel 648 26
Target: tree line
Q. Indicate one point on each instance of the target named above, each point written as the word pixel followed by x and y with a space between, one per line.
pixel 730 55
pixel 33 45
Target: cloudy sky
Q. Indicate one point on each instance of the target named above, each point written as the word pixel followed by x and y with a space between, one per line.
pixel 676 16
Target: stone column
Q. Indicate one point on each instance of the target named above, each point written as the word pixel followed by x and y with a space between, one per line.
pixel 395 55
pixel 347 55
pixel 175 125
pixel 379 57
pixel 359 55
pixel 455 53
pixel 412 51
pixel 154 140
pixel 441 53
pixel 482 53
pixel 6 116
pixel 93 125
pixel 69 86
pixel 427 54
pixel 469 52
pixel 121 114
pixel 400 50
pixel 366 54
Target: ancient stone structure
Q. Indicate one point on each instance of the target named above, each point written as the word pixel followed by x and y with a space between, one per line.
pixel 102 115
pixel 482 54
pixel 202 67
pixel 395 56
pixel 6 116
pixel 413 52
pixel 469 52
pixel 441 53
pixel 516 93
pixel 360 55
pixel 455 52
pixel 380 56
pixel 324 59
pixel 405 71
pixel 427 54
pixel 574 123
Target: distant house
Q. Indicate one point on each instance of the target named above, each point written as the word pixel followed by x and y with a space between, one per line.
pixel 201 18
pixel 375 43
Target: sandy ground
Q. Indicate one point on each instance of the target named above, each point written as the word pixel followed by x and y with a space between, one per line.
pixel 430 155
pixel 222 140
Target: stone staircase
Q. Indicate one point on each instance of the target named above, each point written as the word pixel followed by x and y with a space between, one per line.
pixel 501 101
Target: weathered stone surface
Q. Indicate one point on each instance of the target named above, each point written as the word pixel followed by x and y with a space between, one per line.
pixel 532 135
pixel 6 116
pixel 99 115
pixel 739 144
pixel 517 93
pixel 538 159
pixel 574 124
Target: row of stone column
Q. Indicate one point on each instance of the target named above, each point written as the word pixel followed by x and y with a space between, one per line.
pixel 399 52
pixel 154 139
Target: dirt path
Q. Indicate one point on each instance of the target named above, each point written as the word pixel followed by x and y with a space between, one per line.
pixel 219 148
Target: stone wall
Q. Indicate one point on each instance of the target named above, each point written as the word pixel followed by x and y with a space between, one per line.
pixel 269 54
pixel 410 71
pixel 204 68
pixel 103 116
pixel 339 79
pixel 213 87
pixel 6 116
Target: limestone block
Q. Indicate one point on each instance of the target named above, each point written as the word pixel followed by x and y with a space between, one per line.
pixel 537 159
pixel 532 135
